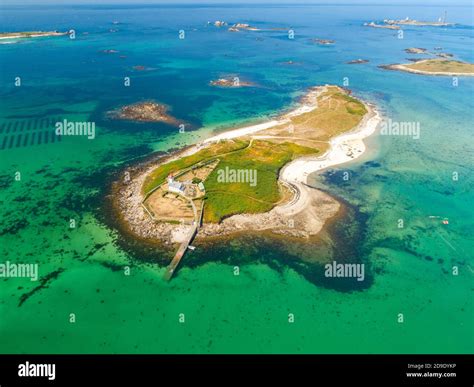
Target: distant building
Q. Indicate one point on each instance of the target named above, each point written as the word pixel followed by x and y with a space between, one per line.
pixel 175 186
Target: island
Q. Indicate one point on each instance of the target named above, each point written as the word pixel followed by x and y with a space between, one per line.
pixel 375 25
pixel 242 26
pixel 218 23
pixel 435 67
pixel 236 27
pixel 411 22
pixel 444 55
pixel 147 111
pixel 231 82
pixel 395 24
pixel 358 61
pixel 323 42
pixel 416 50
pixel 247 180
pixel 31 34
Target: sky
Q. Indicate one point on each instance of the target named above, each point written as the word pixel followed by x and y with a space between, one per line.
pixel 381 2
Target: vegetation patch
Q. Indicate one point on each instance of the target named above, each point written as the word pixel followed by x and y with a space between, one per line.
pixel 442 66
pixel 158 176
pixel 224 199
pixel 258 159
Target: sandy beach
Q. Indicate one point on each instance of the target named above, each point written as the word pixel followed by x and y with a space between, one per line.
pixel 308 211
pixel 309 103
pixel 304 215
pixel 343 149
pixel 32 35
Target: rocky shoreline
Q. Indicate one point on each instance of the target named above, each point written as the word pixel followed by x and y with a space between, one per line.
pixel 147 111
pixel 126 199
pixel 303 216
pixel 231 82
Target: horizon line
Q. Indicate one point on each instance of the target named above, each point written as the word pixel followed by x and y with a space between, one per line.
pixel 245 2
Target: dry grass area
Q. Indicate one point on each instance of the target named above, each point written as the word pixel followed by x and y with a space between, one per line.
pixel 200 173
pixel 166 206
pixel 281 138
pixel 170 207
pixel 286 195
pixel 337 112
pixel 442 66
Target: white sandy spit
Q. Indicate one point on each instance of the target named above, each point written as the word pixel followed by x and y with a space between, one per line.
pixel 343 148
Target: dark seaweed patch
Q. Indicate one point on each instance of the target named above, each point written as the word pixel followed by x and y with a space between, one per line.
pixel 372 164
pixel 112 266
pixel 6 181
pixel 44 283
pixel 339 177
pixel 95 249
pixel 13 228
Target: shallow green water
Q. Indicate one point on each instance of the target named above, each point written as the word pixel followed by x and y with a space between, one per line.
pixel 399 178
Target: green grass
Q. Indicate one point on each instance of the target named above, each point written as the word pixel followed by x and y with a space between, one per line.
pixel 335 115
pixel 221 205
pixel 354 106
pixel 159 175
pixel 226 199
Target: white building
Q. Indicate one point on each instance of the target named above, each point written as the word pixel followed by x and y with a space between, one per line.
pixel 175 186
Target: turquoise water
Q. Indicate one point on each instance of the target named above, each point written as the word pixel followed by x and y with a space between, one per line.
pixel 82 269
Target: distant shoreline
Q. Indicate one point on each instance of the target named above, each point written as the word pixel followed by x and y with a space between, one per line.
pixel 32 34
